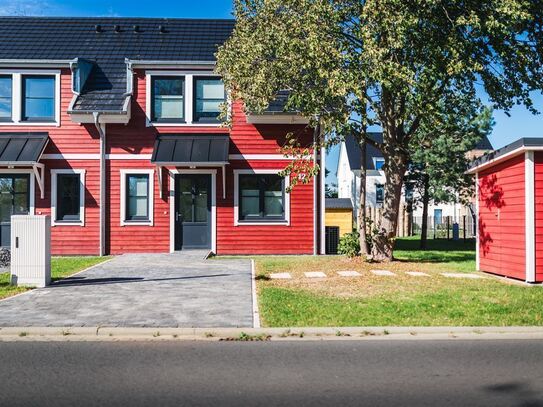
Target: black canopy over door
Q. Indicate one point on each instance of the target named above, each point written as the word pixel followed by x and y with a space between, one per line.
pixel 14 200
pixel 193 211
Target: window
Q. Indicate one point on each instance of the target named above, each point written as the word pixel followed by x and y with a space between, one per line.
pixel 261 197
pixel 136 197
pixel 379 162
pixel 38 98
pixel 208 96
pixel 379 193
pixel 168 93
pixel 6 94
pixel 68 197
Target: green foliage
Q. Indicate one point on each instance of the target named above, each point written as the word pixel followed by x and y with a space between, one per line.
pixel 349 244
pixel 405 66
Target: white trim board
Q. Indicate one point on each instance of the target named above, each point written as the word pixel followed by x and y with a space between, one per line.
pixel 529 180
pixel 242 157
pixel 237 173
pixel 213 173
pixel 135 171
pixel 81 221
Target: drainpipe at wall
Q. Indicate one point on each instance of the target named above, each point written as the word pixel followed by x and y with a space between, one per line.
pixel 316 195
pixel 101 127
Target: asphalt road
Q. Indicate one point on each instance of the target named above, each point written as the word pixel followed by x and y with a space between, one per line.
pixel 303 373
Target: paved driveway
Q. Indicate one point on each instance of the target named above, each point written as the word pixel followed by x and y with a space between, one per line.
pixel 162 290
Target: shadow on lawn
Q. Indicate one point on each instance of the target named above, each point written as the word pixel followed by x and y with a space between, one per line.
pixel 438 251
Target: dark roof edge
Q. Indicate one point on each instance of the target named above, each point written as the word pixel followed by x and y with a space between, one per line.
pixel 506 152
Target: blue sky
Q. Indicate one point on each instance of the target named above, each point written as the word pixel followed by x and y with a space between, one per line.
pixel 521 123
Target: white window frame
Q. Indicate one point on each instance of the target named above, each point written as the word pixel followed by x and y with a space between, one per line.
pixel 135 171
pixel 17 96
pixel 237 222
pixel 188 99
pixel 32 189
pixel 54 220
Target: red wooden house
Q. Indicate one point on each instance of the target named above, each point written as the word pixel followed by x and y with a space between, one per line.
pixel 110 125
pixel 510 210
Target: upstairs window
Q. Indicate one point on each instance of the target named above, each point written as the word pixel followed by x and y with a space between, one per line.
pixel 208 96
pixel 261 197
pixel 379 162
pixel 168 99
pixel 6 95
pixel 379 193
pixel 38 98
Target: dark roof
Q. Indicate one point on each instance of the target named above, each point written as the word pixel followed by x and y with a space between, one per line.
pixel 338 203
pixel 484 144
pixel 525 143
pixel 22 148
pixel 353 151
pixel 185 40
pixel 185 148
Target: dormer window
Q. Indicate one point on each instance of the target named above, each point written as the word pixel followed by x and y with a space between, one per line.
pixel 6 97
pixel 184 98
pixel 379 162
pixel 38 98
pixel 168 99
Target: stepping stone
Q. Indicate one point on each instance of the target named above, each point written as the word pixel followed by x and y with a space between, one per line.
pixel 461 275
pixel 383 273
pixel 349 273
pixel 280 276
pixel 417 274
pixel 315 274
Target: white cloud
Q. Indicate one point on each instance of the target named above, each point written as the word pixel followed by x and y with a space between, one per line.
pixel 25 7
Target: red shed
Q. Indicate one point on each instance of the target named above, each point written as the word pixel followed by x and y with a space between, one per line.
pixel 509 207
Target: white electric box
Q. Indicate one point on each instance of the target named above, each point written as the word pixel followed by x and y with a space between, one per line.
pixel 30 250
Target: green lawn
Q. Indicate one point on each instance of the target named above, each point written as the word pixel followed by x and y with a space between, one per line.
pixel 60 267
pixel 402 300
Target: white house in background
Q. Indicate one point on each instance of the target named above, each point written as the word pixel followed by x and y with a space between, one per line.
pixel 348 178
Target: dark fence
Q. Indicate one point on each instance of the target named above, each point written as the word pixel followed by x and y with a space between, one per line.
pixel 446 227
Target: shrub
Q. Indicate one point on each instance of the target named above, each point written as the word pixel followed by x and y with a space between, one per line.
pixel 349 244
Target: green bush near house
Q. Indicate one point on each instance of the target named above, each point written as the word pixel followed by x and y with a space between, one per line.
pixel 349 244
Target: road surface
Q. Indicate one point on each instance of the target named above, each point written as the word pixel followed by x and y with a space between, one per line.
pixel 295 373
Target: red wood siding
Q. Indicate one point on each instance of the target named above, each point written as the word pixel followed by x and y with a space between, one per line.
pixel 538 184
pixel 137 138
pixel 502 243
pixel 71 239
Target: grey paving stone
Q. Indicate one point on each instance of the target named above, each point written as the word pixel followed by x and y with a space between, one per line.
pixel 349 273
pixel 417 274
pixel 315 274
pixel 461 275
pixel 150 290
pixel 383 273
pixel 280 276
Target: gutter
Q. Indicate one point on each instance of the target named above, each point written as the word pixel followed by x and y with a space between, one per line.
pixel 102 231
pixel 142 63
pixel 35 63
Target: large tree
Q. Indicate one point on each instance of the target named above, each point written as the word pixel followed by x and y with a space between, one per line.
pixel 396 64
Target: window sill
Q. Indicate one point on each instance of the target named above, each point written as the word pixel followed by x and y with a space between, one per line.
pixel 262 223
pixel 25 123
pixel 136 223
pixel 67 223
pixel 182 124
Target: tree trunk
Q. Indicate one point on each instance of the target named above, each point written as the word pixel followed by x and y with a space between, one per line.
pixel 361 215
pixel 425 202
pixel 394 168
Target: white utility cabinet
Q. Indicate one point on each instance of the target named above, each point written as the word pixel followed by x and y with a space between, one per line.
pixel 31 250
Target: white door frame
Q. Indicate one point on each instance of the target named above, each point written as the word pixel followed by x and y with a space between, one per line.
pixel 31 191
pixel 213 173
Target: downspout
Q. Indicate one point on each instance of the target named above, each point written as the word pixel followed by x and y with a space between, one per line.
pixel 102 204
pixel 316 197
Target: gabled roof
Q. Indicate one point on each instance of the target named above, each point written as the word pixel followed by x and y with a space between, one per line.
pixel 354 152
pixel 106 43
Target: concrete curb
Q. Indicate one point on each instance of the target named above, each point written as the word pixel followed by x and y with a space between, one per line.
pixel 259 334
